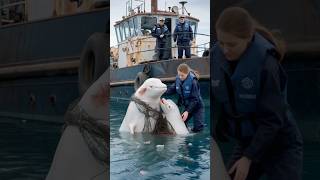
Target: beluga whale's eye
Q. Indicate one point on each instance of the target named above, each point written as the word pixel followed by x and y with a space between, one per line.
pixel 151 86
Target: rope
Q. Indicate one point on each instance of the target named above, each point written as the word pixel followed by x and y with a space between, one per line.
pixel 94 131
pixel 162 126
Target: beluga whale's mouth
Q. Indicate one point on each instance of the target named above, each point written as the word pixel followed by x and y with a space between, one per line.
pixel 159 87
pixel 172 114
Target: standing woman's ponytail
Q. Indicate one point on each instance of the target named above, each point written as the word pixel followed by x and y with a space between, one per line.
pixel 276 40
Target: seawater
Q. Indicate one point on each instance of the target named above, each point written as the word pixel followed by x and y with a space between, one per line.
pixel 181 158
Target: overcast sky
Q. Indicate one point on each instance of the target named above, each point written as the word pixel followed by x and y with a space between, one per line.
pixel 198 8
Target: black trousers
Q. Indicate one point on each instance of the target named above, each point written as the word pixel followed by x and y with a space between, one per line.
pixel 184 46
pixel 198 119
pixel 163 51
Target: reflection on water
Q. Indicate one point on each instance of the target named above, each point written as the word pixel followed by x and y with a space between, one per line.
pixel 27 148
pixel 137 157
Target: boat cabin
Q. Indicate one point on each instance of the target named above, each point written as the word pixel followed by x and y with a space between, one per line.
pixel 135 43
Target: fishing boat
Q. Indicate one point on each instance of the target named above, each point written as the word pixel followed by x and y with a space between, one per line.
pixel 135 57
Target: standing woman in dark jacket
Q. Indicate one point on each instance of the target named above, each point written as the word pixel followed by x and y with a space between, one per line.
pixel 249 92
pixel 188 89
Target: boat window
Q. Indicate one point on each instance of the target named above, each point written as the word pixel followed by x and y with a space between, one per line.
pixel 69 7
pixel 131 26
pixel 147 24
pixel 12 11
pixel 137 29
pixel 123 37
pixel 119 29
pixel 118 34
pixel 126 29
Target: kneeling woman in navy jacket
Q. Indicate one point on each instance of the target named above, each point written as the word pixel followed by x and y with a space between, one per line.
pixel 188 89
pixel 250 105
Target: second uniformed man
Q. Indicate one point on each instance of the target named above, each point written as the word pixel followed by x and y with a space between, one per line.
pixel 183 36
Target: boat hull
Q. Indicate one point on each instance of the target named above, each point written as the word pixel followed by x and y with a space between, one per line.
pixel 39 64
pixel 122 80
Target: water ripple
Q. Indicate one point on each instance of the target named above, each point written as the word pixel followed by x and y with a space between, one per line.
pixel 181 158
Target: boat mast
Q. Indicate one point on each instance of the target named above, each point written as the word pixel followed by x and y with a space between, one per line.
pixel 154 6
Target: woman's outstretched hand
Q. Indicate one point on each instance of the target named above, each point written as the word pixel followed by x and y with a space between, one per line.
pixel 185 115
pixel 241 168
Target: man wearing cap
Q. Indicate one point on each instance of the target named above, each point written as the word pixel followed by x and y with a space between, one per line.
pixel 183 35
pixel 161 32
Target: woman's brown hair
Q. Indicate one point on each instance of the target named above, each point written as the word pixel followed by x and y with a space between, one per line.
pixel 185 68
pixel 238 21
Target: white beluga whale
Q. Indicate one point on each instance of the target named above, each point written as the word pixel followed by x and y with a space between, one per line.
pixel 74 159
pixel 173 116
pixel 144 108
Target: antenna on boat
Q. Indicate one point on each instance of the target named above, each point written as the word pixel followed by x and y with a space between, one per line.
pixel 183 7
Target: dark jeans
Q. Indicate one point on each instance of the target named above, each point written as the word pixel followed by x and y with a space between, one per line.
pixel 163 51
pixel 186 47
pixel 198 119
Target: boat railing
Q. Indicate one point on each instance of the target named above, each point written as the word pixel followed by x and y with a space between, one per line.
pixel 202 48
pixel 150 38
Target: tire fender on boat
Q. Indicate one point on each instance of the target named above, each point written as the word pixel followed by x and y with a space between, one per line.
pixel 142 76
pixel 93 60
